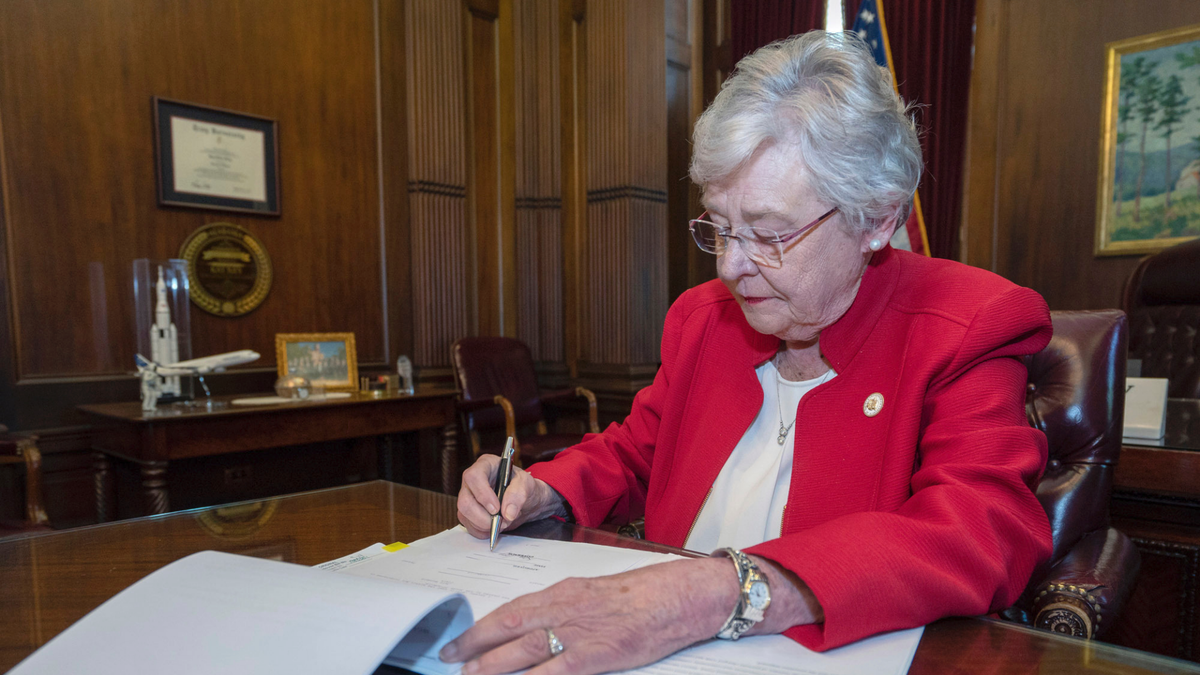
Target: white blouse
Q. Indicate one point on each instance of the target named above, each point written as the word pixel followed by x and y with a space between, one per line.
pixel 746 504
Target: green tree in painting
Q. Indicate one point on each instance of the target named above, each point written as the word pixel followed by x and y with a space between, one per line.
pixel 1130 78
pixel 1147 107
pixel 1189 60
pixel 1173 104
pixel 1196 144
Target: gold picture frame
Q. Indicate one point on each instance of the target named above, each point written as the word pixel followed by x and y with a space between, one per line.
pixel 1147 199
pixel 328 360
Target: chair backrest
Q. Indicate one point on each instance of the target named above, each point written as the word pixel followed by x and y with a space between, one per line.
pixel 485 367
pixel 1076 395
pixel 1162 299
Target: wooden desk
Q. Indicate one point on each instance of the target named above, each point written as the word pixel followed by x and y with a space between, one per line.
pixel 1156 501
pixel 203 429
pixel 48 582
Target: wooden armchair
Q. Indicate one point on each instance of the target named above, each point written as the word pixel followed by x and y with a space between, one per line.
pixel 499 397
pixel 22 449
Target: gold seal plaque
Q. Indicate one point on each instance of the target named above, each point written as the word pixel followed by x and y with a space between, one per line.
pixel 229 271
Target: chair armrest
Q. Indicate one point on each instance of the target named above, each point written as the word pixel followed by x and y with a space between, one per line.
pixel 510 419
pixel 560 396
pixel 1085 591
pixel 17 448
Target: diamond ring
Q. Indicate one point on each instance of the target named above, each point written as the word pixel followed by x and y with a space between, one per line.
pixel 556 645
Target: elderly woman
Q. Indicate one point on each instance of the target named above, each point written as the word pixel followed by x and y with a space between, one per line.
pixel 842 421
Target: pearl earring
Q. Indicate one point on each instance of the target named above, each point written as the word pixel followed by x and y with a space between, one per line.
pixel 875 244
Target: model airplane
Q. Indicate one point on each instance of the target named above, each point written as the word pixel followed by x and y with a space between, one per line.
pixel 152 372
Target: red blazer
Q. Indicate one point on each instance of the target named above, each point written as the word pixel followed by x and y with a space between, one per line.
pixel 922 511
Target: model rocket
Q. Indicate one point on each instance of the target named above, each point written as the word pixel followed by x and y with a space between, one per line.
pixel 164 341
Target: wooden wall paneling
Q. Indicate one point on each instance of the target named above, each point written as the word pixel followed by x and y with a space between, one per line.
pixel 687 264
pixel 1031 187
pixel 490 164
pixel 75 89
pixel 626 295
pixel 539 224
pixel 717 61
pixel 392 37
pixel 573 124
pixel 977 231
pixel 437 175
pixel 8 362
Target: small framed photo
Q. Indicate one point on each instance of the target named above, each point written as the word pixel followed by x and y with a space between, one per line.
pixel 1148 196
pixel 326 359
pixel 210 158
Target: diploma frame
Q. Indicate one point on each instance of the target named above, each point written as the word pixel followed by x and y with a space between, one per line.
pixel 165 110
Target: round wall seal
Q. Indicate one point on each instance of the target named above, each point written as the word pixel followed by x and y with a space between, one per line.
pixel 229 271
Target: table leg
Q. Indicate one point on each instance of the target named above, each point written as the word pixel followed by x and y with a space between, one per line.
pixel 154 487
pixel 387 470
pixel 102 480
pixel 449 458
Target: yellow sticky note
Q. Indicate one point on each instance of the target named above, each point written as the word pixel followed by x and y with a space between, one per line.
pixel 395 547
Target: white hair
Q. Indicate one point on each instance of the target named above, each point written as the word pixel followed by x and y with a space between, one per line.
pixel 823 94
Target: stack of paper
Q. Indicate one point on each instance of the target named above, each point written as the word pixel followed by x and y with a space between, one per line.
pixel 221 613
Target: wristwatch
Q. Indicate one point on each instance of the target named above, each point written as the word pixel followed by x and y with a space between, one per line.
pixel 755 597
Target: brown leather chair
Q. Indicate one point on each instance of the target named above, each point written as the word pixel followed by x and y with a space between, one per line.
pixel 1162 299
pixel 1076 395
pixel 22 449
pixel 499 397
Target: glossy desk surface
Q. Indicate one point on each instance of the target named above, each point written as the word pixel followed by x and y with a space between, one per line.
pixel 1167 465
pixel 49 581
pixel 1183 427
pixel 223 406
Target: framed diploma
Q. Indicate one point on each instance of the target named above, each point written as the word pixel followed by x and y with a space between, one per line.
pixel 210 158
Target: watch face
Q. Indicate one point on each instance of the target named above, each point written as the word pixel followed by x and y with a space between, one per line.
pixel 759 595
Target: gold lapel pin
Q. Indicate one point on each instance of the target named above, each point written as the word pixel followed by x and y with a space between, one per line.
pixel 873 404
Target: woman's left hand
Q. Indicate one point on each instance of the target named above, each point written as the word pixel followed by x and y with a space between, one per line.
pixel 605 623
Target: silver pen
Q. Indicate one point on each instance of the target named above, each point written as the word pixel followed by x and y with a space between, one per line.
pixel 503 475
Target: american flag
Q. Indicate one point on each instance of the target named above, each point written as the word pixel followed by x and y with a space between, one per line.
pixel 870 26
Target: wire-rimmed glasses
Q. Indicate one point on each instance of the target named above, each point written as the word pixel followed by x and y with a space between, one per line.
pixel 761 245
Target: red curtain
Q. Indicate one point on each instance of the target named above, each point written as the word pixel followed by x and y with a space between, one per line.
pixel 931 52
pixel 755 23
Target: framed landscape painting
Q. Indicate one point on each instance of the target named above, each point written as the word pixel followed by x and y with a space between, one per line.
pixel 327 359
pixel 1149 188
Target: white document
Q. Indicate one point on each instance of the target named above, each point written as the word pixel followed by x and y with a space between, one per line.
pixel 887 654
pixel 455 561
pixel 221 613
pixel 1145 407
pixel 356 558
pixel 218 160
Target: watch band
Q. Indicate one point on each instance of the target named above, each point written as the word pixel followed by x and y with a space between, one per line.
pixel 753 600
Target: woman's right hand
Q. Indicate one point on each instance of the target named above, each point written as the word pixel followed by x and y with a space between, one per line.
pixel 527 498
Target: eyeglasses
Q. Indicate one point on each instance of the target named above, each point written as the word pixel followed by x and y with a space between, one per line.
pixel 761 245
